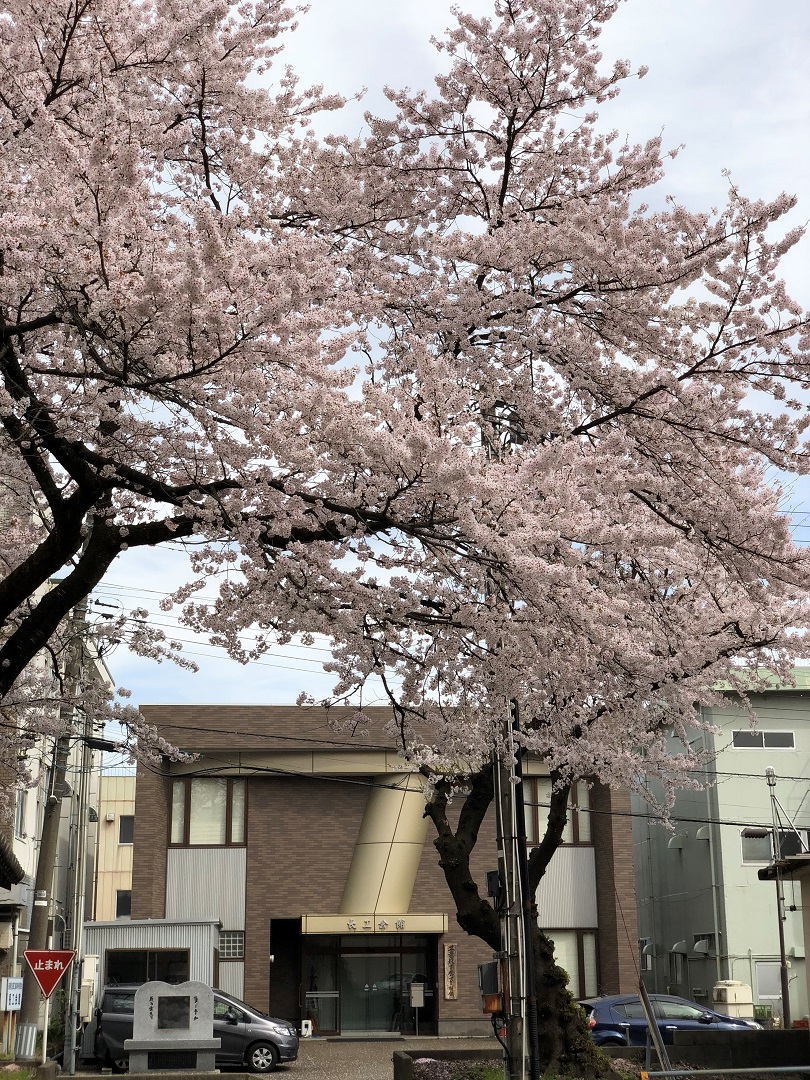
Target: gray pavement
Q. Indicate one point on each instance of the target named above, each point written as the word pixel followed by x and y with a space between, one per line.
pixel 326 1059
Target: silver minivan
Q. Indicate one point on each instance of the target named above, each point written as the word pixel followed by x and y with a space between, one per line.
pixel 249 1038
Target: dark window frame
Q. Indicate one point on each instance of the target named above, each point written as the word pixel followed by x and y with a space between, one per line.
pixel 187 781
pixel 130 828
pixel 746 739
pixel 580 932
pixel 150 956
pixel 119 895
pixel 538 811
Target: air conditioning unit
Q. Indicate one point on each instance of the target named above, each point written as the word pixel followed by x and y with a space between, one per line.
pixel 6 935
pixel 733 998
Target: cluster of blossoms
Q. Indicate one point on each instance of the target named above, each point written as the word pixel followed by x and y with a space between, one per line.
pixel 449 393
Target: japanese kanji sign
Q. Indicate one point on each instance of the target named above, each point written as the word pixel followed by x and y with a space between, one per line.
pixel 48 966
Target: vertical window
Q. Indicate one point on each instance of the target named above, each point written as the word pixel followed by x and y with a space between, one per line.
pixel 126 829
pixel 123 904
pixel 179 811
pixel 238 812
pixel 567 956
pixel 209 808
pixel 589 964
pixel 19 813
pixel 575 953
pixel 208 812
pixel 645 954
pixel 676 968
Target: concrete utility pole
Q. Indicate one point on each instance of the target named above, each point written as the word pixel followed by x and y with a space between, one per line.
pixel 770 776
pixel 78 904
pixel 516 920
pixel 46 858
pixel 510 923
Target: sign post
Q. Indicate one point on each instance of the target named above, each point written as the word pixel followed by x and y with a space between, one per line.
pixel 48 967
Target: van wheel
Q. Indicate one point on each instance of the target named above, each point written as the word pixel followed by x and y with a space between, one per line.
pixel 262 1058
pixel 120 1065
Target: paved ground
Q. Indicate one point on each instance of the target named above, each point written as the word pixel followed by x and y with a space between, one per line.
pixel 323 1059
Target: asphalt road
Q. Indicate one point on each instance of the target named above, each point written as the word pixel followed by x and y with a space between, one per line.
pixel 324 1059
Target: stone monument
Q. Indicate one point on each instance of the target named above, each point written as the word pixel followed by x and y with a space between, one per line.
pixel 173 1028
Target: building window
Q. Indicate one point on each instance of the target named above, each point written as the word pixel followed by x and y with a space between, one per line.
pixel 793 842
pixel 537 798
pixel 762 740
pixel 575 953
pixel 645 950
pixel 232 945
pixel 677 968
pixel 208 812
pixel 123 904
pixel 19 814
pixel 757 844
pixel 126 829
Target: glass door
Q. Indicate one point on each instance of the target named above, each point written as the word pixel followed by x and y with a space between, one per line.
pixel 370 998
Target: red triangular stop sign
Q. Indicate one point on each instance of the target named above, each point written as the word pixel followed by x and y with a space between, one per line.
pixel 48 966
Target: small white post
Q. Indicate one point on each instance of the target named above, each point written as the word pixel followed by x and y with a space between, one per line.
pixel 45 1030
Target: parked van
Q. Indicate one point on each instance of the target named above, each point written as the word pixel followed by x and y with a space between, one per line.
pixel 249 1038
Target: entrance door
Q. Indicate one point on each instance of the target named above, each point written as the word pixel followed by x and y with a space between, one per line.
pixel 370 997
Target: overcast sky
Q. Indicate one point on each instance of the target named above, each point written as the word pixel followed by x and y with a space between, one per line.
pixel 728 79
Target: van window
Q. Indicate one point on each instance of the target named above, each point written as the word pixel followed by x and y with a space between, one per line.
pixel 117 1002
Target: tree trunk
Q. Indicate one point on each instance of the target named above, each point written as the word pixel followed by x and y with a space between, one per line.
pixel 565 1044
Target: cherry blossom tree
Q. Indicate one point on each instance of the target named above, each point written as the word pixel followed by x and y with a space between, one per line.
pixel 466 394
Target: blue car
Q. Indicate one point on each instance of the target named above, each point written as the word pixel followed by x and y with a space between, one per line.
pixel 620 1020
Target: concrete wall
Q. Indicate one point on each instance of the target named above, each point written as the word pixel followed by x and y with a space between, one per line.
pixel 679 899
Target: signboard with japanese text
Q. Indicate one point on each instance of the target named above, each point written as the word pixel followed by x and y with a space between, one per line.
pixel 48 966
pixel 10 994
pixel 450 971
pixel 374 923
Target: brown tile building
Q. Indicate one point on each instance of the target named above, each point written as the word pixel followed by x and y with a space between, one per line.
pixel 310 846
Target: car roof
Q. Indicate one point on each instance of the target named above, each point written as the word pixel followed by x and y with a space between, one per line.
pixel 621 999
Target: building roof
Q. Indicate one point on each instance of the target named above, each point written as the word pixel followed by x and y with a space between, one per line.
pixel 767 682
pixel 10 870
pixel 272 727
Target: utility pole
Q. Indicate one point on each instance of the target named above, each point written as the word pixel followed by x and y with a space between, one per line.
pixel 770 776
pixel 516 920
pixel 78 904
pixel 529 968
pixel 511 923
pixel 46 859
